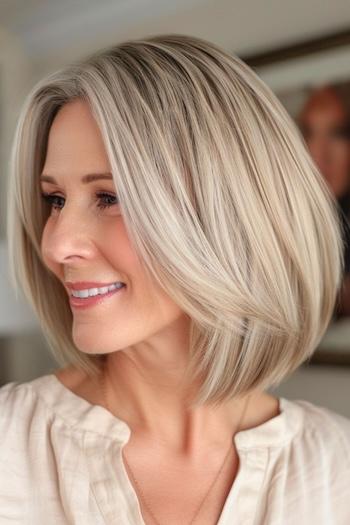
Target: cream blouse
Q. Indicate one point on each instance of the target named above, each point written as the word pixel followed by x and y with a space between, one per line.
pixel 61 463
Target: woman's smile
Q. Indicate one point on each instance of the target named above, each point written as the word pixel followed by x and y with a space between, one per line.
pixel 80 303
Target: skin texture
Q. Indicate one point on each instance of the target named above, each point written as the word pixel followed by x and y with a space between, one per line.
pixel 144 333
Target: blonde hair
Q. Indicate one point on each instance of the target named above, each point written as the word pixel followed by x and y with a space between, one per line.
pixel 219 196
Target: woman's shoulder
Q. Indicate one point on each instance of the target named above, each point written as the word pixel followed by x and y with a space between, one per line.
pixel 15 397
pixel 33 399
pixel 24 407
pixel 323 433
pixel 20 412
pixel 18 405
pixel 55 403
pixel 317 465
pixel 324 421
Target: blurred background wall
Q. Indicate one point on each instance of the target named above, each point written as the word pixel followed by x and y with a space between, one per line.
pixel 39 36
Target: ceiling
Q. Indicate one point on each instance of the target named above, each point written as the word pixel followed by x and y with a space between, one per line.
pixel 52 29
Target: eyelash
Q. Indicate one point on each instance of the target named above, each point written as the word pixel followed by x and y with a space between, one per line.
pixel 49 197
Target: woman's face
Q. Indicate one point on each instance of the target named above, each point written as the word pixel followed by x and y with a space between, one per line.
pixel 83 242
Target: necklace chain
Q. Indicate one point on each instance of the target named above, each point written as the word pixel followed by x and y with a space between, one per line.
pixel 104 392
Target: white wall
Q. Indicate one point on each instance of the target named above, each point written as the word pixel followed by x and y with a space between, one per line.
pixel 14 76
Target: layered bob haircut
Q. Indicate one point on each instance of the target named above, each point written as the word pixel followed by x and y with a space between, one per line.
pixel 219 196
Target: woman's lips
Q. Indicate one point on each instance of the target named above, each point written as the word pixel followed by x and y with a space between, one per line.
pixel 81 303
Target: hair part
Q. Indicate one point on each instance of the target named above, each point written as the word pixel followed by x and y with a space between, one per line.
pixel 219 196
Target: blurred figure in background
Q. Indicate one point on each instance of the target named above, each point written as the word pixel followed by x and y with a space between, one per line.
pixel 325 123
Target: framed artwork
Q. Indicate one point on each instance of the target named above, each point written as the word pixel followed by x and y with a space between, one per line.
pixel 312 80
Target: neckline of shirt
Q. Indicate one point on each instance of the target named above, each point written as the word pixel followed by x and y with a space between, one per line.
pixel 79 414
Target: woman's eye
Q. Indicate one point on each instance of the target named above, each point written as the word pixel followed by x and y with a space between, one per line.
pixel 110 200
pixel 51 200
pixel 105 200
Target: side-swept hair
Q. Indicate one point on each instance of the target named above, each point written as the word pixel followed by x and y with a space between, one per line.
pixel 220 198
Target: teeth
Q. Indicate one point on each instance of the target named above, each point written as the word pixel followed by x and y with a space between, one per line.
pixel 96 291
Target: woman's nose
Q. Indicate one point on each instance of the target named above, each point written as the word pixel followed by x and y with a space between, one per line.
pixel 67 237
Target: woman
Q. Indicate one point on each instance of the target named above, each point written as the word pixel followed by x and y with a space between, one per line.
pixel 166 169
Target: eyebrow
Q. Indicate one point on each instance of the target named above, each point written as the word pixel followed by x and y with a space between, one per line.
pixel 90 177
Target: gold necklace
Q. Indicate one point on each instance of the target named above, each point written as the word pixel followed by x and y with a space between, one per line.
pixel 104 392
